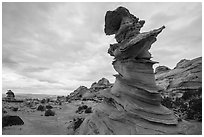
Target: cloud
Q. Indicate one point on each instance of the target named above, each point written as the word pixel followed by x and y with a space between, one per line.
pixel 50 47
pixel 34 69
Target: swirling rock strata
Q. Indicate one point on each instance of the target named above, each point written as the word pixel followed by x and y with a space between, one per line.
pixel 133 104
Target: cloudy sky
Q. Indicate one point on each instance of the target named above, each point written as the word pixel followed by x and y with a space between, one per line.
pixel 53 48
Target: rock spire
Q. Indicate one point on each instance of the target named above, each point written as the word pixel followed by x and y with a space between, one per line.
pixel 133 104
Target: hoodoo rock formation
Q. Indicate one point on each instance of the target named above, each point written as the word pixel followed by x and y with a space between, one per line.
pixel 133 104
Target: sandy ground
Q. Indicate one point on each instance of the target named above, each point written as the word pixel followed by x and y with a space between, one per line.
pixel 35 123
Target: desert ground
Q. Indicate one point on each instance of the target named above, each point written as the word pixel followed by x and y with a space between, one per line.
pixel 35 123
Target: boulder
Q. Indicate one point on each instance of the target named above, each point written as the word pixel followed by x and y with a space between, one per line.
pixel 78 93
pixel 11 120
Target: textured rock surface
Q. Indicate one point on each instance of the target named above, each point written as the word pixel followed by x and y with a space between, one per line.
pixel 93 92
pixel 133 104
pixel 185 77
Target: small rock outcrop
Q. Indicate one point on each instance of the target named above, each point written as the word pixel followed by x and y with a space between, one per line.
pixel 78 93
pixel 91 93
pixel 133 104
pixel 10 96
pixel 100 85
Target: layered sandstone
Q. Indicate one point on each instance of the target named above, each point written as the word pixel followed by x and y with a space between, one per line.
pixel 185 77
pixel 133 104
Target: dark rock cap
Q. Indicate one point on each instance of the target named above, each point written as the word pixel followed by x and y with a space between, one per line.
pixel 113 20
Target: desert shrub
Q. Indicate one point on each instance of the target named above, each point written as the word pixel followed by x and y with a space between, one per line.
pixel 3 111
pixel 49 112
pixel 88 110
pixel 195 109
pixel 167 101
pixel 48 100
pixel 69 101
pixel 60 103
pixel 81 108
pixel 15 108
pixel 41 108
pixel 80 96
pixel 194 94
pixel 84 107
pixel 29 104
pixel 84 99
pixel 77 122
pixel 49 107
pixel 43 101
pixel 11 120
pixel 189 106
